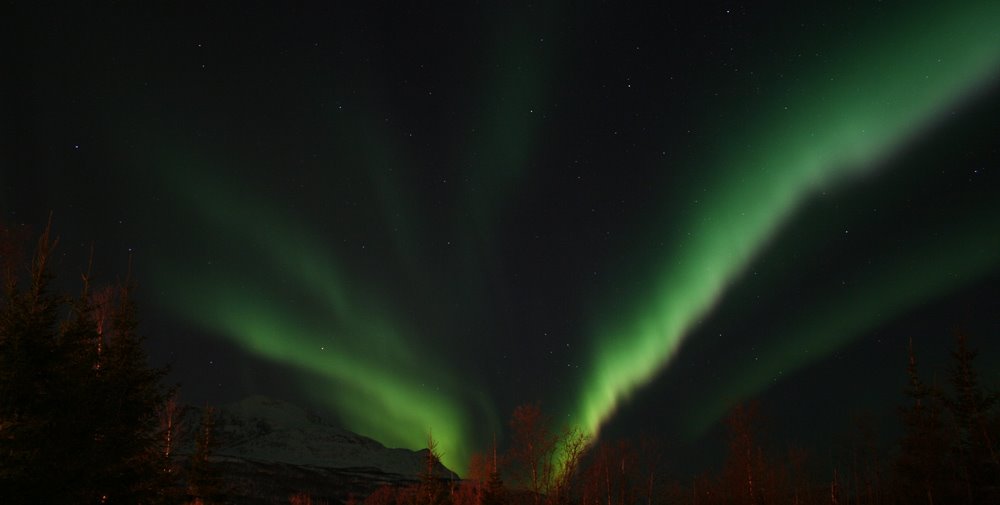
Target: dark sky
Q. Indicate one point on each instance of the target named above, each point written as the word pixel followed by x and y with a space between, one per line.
pixel 418 217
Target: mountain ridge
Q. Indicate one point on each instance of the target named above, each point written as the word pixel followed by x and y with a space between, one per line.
pixel 267 449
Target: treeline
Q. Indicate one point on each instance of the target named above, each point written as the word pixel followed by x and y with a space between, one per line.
pixel 83 417
pixel 947 454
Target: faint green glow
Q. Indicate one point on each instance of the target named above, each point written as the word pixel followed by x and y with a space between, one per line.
pixel 828 124
pixel 380 384
pixel 947 258
pixel 512 107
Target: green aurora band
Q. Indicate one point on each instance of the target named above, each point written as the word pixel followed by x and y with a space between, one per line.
pixel 826 126
pixel 350 349
pixel 367 369
pixel 938 262
pixel 830 125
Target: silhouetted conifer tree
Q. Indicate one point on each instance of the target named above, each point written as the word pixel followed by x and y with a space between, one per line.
pixel 974 439
pixel 494 493
pixel 744 466
pixel 433 490
pixel 204 478
pixel 78 401
pixel 923 467
pixel 30 389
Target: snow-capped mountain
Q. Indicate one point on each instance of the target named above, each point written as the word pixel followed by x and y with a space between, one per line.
pixel 264 429
pixel 270 448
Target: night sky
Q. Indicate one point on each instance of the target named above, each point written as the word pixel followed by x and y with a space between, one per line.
pixel 418 217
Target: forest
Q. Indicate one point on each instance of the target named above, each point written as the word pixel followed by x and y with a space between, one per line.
pixel 84 418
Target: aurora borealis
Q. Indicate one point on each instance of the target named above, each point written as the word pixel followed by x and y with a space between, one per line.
pixel 841 125
pixel 417 219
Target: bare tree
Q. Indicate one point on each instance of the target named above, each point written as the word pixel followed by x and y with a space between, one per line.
pixel 741 469
pixel 532 448
pixel 572 446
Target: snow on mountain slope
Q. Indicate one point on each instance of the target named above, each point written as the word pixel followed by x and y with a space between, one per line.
pixel 264 429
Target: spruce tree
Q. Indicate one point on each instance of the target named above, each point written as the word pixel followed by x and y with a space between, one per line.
pixel 78 401
pixel 972 408
pixel 204 480
pixel 29 389
pixel 923 467
pixel 495 492
pixel 744 466
pixel 432 490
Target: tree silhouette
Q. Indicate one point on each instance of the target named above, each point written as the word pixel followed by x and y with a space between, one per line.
pixel 571 447
pixel 494 493
pixel 923 465
pixel 432 490
pixel 78 401
pixel 744 465
pixel 484 475
pixel 384 495
pixel 29 382
pixel 532 449
pixel 611 476
pixel 972 408
pixel 204 479
pixel 133 399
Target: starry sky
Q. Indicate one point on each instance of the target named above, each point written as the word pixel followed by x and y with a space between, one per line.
pixel 413 217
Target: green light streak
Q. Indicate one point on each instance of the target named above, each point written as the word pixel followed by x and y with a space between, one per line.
pixel 838 122
pixel 380 384
pixel 512 106
pixel 368 394
pixel 946 259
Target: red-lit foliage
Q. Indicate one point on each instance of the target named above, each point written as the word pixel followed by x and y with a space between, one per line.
pixel 385 495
